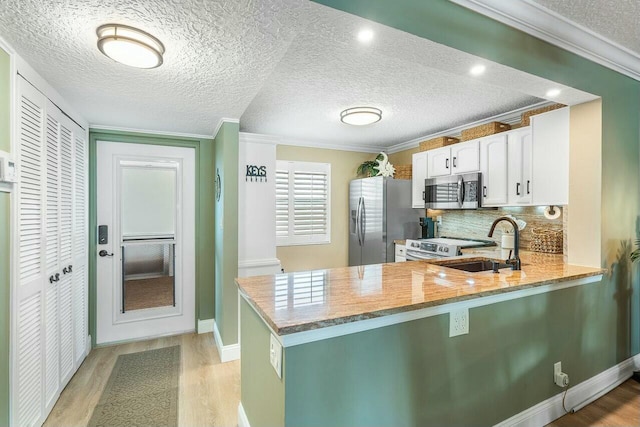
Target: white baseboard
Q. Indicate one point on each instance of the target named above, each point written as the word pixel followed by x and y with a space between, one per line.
pixel 243 421
pixel 227 352
pixel 205 326
pixel 578 396
pixel 87 345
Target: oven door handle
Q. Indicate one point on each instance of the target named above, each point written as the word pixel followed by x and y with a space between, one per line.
pixel 417 256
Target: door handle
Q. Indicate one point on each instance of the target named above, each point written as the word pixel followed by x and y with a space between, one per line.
pixel 54 278
pixel 363 218
pixel 67 269
pixel 104 253
pixel 358 221
pixel 460 191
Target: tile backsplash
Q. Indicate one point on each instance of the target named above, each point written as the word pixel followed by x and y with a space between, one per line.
pixel 476 223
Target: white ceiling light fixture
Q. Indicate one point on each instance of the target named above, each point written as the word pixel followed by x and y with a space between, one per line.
pixel 477 70
pixel 365 35
pixel 552 93
pixel 130 46
pixel 361 116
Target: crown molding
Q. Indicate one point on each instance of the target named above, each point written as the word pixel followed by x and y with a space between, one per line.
pixel 150 132
pixel 220 123
pixel 511 118
pixel 258 138
pixel 325 145
pixel 538 21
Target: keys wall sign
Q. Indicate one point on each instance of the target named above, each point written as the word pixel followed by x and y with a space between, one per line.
pixel 257 172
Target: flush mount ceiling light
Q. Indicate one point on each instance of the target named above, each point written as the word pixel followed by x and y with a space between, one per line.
pixel 552 93
pixel 365 36
pixel 477 70
pixel 130 46
pixel 361 116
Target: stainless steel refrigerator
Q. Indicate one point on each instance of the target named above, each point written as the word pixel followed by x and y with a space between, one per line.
pixel 379 213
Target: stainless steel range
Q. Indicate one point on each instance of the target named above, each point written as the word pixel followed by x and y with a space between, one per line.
pixel 440 247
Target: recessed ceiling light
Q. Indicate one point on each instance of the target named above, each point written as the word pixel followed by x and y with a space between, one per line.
pixel 130 46
pixel 365 36
pixel 476 70
pixel 552 93
pixel 361 116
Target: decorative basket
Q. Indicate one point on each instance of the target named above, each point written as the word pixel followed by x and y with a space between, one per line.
pixel 545 240
pixel 484 130
pixel 403 172
pixel 524 121
pixel 441 141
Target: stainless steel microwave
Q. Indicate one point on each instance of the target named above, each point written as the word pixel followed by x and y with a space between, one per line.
pixel 453 191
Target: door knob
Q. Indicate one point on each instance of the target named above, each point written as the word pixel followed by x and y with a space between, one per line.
pixel 104 253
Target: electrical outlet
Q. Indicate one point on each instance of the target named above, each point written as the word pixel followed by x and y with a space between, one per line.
pixel 560 378
pixel 275 355
pixel 459 322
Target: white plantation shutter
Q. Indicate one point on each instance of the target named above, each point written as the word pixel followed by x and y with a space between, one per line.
pixel 303 203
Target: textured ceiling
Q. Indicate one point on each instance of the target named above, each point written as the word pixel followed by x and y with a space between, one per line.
pixel 616 20
pixel 218 54
pixel 421 87
pixel 284 67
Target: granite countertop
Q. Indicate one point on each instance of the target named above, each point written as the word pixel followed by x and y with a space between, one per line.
pixel 303 301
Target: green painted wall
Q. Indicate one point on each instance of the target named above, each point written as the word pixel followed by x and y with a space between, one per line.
pixel 205 294
pixel 5 258
pixel 226 232
pixel 413 374
pixel 261 389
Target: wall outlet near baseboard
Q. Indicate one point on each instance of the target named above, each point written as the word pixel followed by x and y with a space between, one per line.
pixel 560 378
pixel 459 322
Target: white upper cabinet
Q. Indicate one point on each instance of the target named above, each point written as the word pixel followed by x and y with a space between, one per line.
pixel 465 157
pixel 459 158
pixel 520 182
pixel 493 165
pixel 418 175
pixel 550 158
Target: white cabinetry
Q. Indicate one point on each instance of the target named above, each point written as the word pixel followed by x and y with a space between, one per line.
pixel 519 165
pixel 418 175
pixel 50 292
pixel 550 158
pixel 401 253
pixel 459 158
pixel 493 165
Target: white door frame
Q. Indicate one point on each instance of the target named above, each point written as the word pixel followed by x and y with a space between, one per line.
pixel 111 324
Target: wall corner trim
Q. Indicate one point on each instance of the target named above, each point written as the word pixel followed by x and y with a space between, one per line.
pixel 221 122
pixel 205 326
pixel 545 24
pixel 243 421
pixel 227 352
pixel 578 396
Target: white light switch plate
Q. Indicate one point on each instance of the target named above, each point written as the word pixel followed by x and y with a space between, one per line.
pixel 459 322
pixel 275 355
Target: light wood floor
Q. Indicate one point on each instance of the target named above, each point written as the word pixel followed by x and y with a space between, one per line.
pixel 209 390
pixel 618 408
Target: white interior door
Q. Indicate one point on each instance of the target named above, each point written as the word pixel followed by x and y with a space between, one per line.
pixel 146 268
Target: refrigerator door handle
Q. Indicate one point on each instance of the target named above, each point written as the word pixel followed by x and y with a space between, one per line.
pixel 358 221
pixel 363 218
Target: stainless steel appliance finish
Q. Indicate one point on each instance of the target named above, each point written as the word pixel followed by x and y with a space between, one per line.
pixel 428 249
pixel 377 216
pixel 454 191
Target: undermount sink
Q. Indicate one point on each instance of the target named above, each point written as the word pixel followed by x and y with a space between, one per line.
pixel 476 265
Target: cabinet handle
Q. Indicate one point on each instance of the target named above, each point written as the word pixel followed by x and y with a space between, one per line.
pixel 447 164
pixel 528 191
pixel 67 269
pixel 423 196
pixel 517 188
pixel 454 162
pixel 484 191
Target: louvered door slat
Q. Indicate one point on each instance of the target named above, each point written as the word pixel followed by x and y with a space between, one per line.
pixel 66 194
pixel 80 245
pixel 66 328
pixel 29 362
pixel 52 361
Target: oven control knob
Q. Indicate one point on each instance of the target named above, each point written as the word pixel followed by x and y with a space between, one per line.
pixel 446 249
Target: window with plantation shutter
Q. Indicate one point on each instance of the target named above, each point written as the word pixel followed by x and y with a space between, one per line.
pixel 303 203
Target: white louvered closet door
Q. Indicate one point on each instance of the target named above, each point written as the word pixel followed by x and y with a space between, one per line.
pixel 28 339
pixel 52 261
pixel 80 244
pixel 65 286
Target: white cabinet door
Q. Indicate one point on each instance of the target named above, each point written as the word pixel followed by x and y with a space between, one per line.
pixel 418 175
pixel 493 165
pixel 439 162
pixel 520 183
pixel 400 253
pixel 550 158
pixel 465 157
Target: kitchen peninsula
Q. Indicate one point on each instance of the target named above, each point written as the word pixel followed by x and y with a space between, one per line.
pixel 370 345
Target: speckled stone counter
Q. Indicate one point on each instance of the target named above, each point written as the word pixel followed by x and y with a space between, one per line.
pixel 303 301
